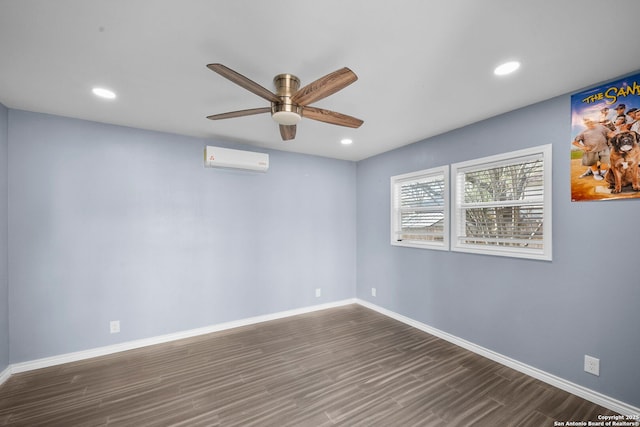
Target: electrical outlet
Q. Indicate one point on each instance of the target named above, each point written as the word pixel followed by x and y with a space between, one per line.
pixel 373 292
pixel 114 326
pixel 592 365
pixel 318 292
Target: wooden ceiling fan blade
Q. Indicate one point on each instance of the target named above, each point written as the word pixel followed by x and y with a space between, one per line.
pixel 328 116
pixel 240 113
pixel 287 132
pixel 244 82
pixel 324 86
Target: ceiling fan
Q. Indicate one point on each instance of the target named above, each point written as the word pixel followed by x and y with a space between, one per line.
pixel 289 103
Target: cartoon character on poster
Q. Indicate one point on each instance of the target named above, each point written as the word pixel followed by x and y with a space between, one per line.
pixel 605 149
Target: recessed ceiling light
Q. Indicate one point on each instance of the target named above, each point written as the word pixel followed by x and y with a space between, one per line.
pixel 103 93
pixel 506 68
pixel 346 141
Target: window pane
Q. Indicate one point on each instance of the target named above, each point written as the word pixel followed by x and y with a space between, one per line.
pixel 416 225
pixel 504 226
pixel 512 182
pixel 427 193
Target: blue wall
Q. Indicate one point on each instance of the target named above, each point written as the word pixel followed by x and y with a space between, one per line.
pixel 544 314
pixel 113 223
pixel 4 296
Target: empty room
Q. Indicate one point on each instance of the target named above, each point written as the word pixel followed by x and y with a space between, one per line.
pixel 347 213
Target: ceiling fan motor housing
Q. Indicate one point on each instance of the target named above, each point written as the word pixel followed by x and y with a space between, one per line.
pixel 285 112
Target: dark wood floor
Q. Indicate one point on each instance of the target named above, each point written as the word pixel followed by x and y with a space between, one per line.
pixel 346 366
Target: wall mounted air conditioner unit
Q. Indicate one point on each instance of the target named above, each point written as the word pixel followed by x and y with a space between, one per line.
pixel 217 157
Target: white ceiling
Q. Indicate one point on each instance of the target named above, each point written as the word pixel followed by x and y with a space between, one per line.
pixel 424 67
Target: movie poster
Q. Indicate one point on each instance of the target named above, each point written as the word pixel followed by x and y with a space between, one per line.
pixel 604 145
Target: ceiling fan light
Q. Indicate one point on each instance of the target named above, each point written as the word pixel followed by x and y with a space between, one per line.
pixel 286 117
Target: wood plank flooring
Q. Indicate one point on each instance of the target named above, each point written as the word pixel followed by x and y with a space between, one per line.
pixel 346 366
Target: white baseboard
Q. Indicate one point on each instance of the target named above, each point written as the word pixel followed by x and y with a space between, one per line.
pixel 4 375
pixel 568 386
pixel 130 345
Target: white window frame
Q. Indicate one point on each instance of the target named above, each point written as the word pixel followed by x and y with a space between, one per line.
pixel 396 183
pixel 458 225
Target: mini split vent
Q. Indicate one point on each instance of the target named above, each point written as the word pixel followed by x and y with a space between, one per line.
pixel 217 157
